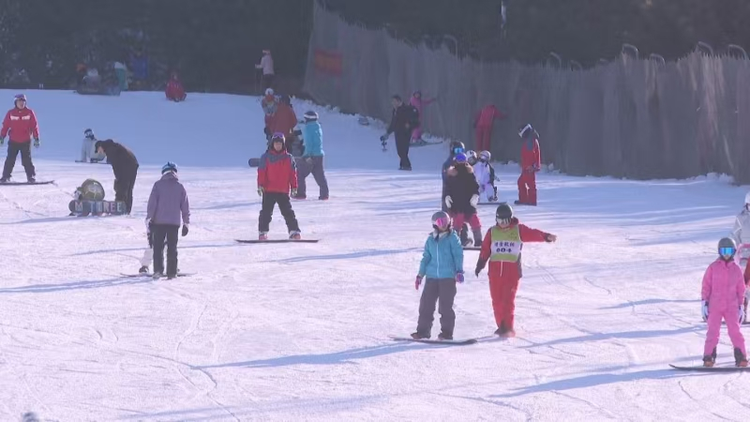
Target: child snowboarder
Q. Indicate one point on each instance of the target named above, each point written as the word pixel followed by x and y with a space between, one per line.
pixel 88 152
pixel 462 197
pixel 277 174
pixel 471 157
pixel 502 248
pixel 312 158
pixel 485 175
pixel 148 254
pixel 167 203
pixel 443 265
pixel 722 295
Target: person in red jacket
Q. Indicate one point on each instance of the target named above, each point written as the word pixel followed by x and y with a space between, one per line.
pixel 531 162
pixel 175 91
pixel 22 124
pixel 284 120
pixel 277 174
pixel 483 126
pixel 502 248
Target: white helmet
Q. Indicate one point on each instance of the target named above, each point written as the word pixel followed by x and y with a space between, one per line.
pixel 471 157
pixel 269 91
pixel 485 156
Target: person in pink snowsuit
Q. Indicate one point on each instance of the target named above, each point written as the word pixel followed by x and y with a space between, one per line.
pixel 417 102
pixel 723 294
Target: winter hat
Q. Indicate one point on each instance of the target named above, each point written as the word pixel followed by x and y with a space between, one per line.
pixel 311 115
pixel 19 97
pixel 98 144
pixel 169 167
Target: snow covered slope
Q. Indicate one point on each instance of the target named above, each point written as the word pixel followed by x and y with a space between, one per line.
pixel 300 331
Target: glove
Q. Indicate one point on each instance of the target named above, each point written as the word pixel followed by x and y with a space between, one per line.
pixel 184 230
pixel 459 277
pixel 474 200
pixel 704 310
pixel 384 137
pixel 417 282
pixel 549 238
pixel 480 267
pixel 448 201
pixel 294 192
pixel 260 190
pixel 36 143
pixel 2 140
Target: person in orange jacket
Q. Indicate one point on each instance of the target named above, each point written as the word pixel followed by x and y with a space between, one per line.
pixel 531 162
pixel 502 248
pixel 483 126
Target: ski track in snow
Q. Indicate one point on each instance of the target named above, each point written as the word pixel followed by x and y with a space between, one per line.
pixel 300 331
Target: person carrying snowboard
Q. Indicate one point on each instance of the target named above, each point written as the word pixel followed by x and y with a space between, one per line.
pixel 722 295
pixel 741 235
pixel 168 206
pixel 442 266
pixel 530 165
pixel 502 248
pixel 21 122
pixel 485 174
pixel 277 174
pixel 462 197
pixel 312 133
pixel 125 167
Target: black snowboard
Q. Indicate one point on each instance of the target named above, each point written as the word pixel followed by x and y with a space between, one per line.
pixel 706 369
pixel 149 275
pixel 428 341
pixel 46 182
pixel 85 208
pixel 278 241
pixel 472 248
pixel 253 162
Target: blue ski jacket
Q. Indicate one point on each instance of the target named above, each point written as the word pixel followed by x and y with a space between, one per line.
pixel 443 256
pixel 312 134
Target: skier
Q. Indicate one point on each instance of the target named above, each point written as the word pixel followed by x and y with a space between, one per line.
pixel 419 104
pixel 722 295
pixel 443 265
pixel 269 104
pixel 404 119
pixel 462 197
pixel 485 175
pixel 502 248
pixel 21 122
pixel 277 174
pixel 88 152
pixel 124 166
pixel 168 206
pixel 741 235
pixel 530 164
pixel 483 125
pixel 312 159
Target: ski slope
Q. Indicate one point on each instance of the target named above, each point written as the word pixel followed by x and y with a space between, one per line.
pixel 299 332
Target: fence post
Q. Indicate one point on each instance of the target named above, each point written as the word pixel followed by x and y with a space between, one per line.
pixel 629 47
pixel 455 42
pixel 555 56
pixel 735 47
pixel 705 48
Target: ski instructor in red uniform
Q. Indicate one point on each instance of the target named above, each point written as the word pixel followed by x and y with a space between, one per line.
pixel 531 163
pixel 21 122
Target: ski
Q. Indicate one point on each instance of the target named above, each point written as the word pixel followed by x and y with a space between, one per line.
pixel 46 182
pixel 490 203
pixel 277 241
pixel 428 341
pixel 150 275
pixel 709 369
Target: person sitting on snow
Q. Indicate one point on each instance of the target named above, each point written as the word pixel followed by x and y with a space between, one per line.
pixel 175 91
pixel 88 152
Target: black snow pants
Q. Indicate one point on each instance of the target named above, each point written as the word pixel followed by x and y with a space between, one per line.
pixel 270 199
pixel 402 148
pixel 441 291
pixel 124 188
pixel 162 233
pixel 10 161
pixel 315 166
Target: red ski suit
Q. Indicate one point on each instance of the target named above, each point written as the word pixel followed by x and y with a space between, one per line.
pixel 531 162
pixel 483 124
pixel 504 254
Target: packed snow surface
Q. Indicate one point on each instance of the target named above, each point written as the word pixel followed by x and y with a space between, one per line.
pixel 301 331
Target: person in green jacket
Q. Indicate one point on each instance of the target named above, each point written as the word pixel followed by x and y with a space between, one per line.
pixel 443 266
pixel 312 158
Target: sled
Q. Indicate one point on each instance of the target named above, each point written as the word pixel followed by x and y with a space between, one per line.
pixel 278 241
pixel 443 342
pixel 46 182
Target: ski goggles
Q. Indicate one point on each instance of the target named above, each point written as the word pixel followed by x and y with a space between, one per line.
pixel 442 223
pixel 727 251
pixel 457 150
pixel 278 136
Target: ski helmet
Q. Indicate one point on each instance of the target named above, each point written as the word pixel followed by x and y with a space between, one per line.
pixel 456 147
pixel 441 221
pixel 504 213
pixel 269 91
pixel 727 248
pixel 460 158
pixel 311 115
pixel 89 134
pixel 19 97
pixel 485 156
pixel 526 131
pixel 471 157
pixel 169 167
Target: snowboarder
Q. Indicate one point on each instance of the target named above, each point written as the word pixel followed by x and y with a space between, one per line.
pixel 443 266
pixel 277 174
pixel 168 206
pixel 462 197
pixel 269 104
pixel 312 159
pixel 741 235
pixel 88 152
pixel 485 175
pixel 483 126
pixel 419 104
pixel 283 121
pixel 21 122
pixel 502 248
pixel 125 167
pixel 403 120
pixel 530 164
pixel 471 157
pixel 722 295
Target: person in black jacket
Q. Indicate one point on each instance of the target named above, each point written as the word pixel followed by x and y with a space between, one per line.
pixel 462 197
pixel 404 119
pixel 124 165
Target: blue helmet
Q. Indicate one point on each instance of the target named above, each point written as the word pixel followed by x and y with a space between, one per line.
pixel 170 166
pixel 460 157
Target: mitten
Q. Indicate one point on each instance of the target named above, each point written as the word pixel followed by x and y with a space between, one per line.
pixel 550 238
pixel 260 190
pixel 448 201
pixel 459 277
pixel 704 310
pixel 417 282
pixel 294 191
pixel 480 266
pixel 2 140
pixel 184 230
pixel 36 142
pixel 474 200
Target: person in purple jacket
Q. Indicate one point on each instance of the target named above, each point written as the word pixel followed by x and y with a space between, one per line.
pixel 167 203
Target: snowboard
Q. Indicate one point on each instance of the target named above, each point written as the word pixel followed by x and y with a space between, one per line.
pixel 90 162
pixel 428 341
pixel 253 162
pixel 278 241
pixel 472 248
pixel 150 275
pixel 85 208
pixel 423 143
pixel 490 203
pixel 46 182
pixel 705 369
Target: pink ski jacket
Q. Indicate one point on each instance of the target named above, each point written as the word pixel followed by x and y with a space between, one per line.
pixel 723 285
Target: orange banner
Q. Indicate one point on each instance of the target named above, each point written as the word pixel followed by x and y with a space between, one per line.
pixel 328 62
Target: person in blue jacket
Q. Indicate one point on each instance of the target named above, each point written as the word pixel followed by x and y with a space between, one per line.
pixel 443 266
pixel 312 158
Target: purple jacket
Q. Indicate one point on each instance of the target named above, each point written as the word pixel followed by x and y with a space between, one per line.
pixel 167 201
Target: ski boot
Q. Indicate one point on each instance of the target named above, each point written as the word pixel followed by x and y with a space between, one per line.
pixel 477 233
pixel 263 236
pixel 5 179
pixel 443 336
pixel 739 359
pixel 143 270
pixel 295 235
pixel 299 197
pixel 157 275
pixel 419 336
pixel 494 197
pixel 31 179
pixel 710 360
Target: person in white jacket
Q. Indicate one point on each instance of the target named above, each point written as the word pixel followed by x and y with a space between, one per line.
pixel 741 234
pixel 266 63
pixel 88 152
pixel 485 174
